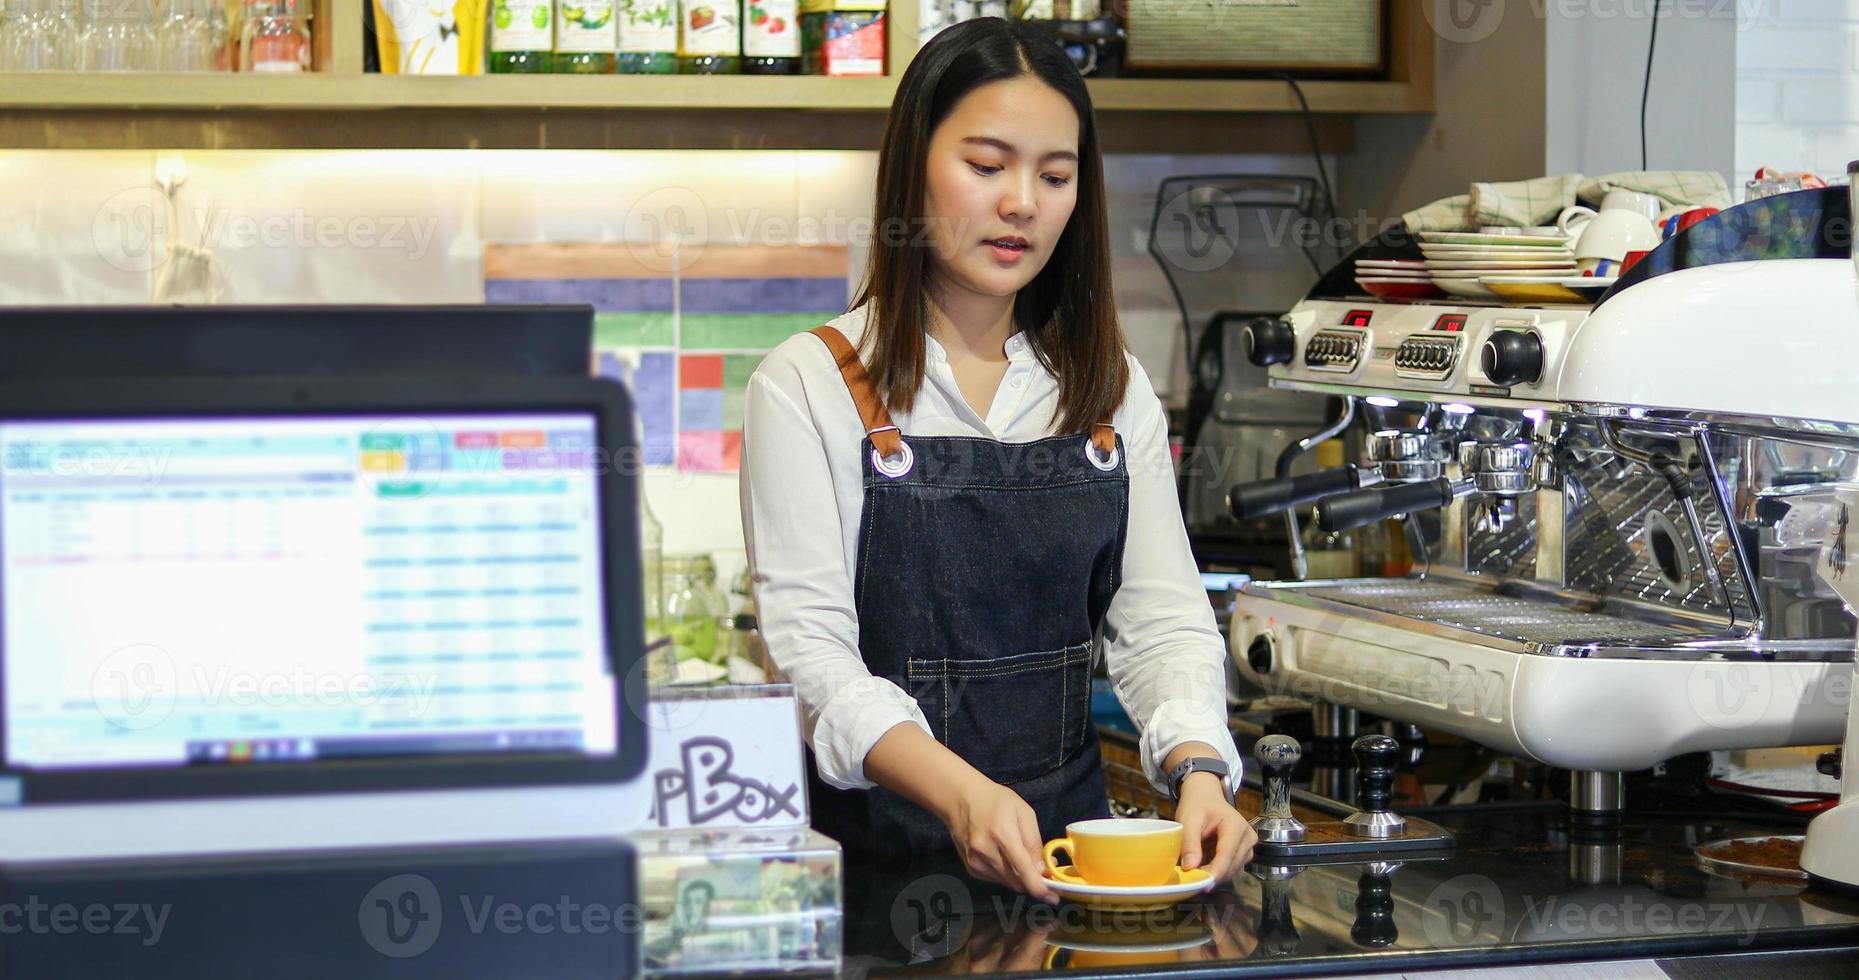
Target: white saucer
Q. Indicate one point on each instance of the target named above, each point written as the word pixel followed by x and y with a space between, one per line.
pixel 1474 238
pixel 1130 898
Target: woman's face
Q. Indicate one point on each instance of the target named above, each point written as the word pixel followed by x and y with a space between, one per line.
pixel 1001 184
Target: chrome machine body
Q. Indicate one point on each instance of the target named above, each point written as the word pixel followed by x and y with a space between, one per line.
pixel 1631 503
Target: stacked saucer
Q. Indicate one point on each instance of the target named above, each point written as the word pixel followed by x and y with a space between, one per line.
pixel 1396 279
pixel 1470 264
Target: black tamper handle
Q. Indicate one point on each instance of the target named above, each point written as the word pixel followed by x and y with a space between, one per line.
pixel 1347 511
pixel 1263 498
pixel 1376 756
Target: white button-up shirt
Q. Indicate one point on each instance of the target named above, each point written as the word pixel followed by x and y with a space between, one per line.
pixel 802 496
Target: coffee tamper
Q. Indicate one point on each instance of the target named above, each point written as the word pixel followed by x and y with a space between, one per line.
pixel 1277 755
pixel 1375 759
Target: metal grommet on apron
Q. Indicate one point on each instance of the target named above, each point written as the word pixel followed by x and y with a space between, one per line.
pixel 897 466
pixel 983 572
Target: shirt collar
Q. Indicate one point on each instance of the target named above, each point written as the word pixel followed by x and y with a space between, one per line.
pixel 1017 349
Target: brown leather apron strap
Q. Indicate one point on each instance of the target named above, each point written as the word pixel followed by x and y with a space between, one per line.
pixel 877 418
pixel 871 410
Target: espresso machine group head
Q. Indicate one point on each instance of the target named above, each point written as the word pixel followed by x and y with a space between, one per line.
pixel 1624 510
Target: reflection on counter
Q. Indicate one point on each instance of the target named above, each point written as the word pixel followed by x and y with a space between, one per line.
pixel 1521 881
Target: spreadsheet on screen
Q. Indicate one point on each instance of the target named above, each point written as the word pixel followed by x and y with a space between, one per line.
pixel 274 589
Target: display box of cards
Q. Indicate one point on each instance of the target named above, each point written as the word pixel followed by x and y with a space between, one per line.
pixel 748 900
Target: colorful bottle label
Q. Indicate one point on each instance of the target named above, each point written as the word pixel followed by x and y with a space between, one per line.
pixel 649 26
pixel 522 25
pixel 710 28
pixel 585 27
pixel 771 29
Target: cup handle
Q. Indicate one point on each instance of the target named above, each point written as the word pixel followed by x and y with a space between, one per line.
pixel 1053 847
pixel 1569 214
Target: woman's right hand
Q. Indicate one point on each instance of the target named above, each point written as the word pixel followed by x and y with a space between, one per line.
pixel 998 837
pixel 994 829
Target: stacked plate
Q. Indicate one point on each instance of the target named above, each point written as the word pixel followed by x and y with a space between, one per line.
pixel 1507 267
pixel 1396 279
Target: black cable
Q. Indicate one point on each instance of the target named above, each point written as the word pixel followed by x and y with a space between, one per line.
pixel 1652 48
pixel 1316 149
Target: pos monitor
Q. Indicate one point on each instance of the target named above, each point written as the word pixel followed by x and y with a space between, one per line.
pixel 285 614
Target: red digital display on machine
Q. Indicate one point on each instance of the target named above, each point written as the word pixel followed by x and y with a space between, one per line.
pixel 1450 322
pixel 1358 318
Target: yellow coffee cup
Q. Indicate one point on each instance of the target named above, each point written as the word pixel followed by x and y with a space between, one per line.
pixel 1124 852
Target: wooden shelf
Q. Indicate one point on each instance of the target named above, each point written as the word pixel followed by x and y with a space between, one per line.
pixel 328 91
pixel 340 107
pixel 812 93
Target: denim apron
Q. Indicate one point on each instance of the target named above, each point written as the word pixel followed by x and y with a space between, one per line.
pixel 984 571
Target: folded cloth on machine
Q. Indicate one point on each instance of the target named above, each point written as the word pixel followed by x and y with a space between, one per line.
pixel 1539 201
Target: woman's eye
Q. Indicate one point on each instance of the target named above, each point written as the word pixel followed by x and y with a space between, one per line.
pixel 1057 181
pixel 984 169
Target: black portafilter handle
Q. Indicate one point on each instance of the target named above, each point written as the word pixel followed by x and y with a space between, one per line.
pixel 1347 511
pixel 1263 498
pixel 1376 757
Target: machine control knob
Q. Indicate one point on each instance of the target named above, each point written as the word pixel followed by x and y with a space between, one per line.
pixel 1275 824
pixel 1269 341
pixel 1512 357
pixel 1828 764
pixel 1376 756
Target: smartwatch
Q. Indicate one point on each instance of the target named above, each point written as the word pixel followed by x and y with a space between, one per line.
pixel 1198 764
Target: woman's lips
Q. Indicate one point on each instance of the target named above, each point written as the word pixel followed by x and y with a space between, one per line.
pixel 1008 251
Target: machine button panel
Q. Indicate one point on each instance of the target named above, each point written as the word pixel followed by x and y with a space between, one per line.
pixel 1335 350
pixel 1432 358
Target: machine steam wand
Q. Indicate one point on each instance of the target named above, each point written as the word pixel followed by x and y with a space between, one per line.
pixel 1300 566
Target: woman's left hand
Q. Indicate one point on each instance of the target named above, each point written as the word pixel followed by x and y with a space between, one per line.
pixel 1211 827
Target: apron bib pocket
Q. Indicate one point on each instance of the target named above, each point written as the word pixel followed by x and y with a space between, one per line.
pixel 1013 717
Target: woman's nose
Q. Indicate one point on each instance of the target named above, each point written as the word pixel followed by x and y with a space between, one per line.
pixel 1018 200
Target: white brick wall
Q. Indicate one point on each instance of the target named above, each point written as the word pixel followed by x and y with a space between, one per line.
pixel 1797 86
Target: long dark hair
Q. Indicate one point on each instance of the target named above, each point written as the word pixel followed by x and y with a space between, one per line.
pixel 1067 312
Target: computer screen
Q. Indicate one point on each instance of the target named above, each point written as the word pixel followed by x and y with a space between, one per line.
pixel 272 590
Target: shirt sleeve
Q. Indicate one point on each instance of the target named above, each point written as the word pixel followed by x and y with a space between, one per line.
pixel 1163 650
pixel 802 587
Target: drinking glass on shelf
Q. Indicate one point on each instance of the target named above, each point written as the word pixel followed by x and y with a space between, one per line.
pixel 9 17
pixel 189 35
pixel 116 37
pixel 42 36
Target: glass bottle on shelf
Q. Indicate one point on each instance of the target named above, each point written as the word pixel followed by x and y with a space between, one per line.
pixel 522 37
pixel 693 608
pixel 586 38
pixel 273 40
pixel 661 654
pixel 648 37
pixel 710 37
pixel 115 38
pixel 189 35
pixel 771 38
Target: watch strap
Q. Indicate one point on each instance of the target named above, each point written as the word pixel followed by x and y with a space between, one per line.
pixel 1197 764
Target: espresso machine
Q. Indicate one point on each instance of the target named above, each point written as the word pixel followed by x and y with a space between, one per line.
pixel 1831 850
pixel 1617 515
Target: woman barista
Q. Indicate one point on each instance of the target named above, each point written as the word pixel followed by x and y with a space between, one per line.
pixel 957 493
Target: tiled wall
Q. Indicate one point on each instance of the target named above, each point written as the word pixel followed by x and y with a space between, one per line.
pixel 443 226
pixel 1797 86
